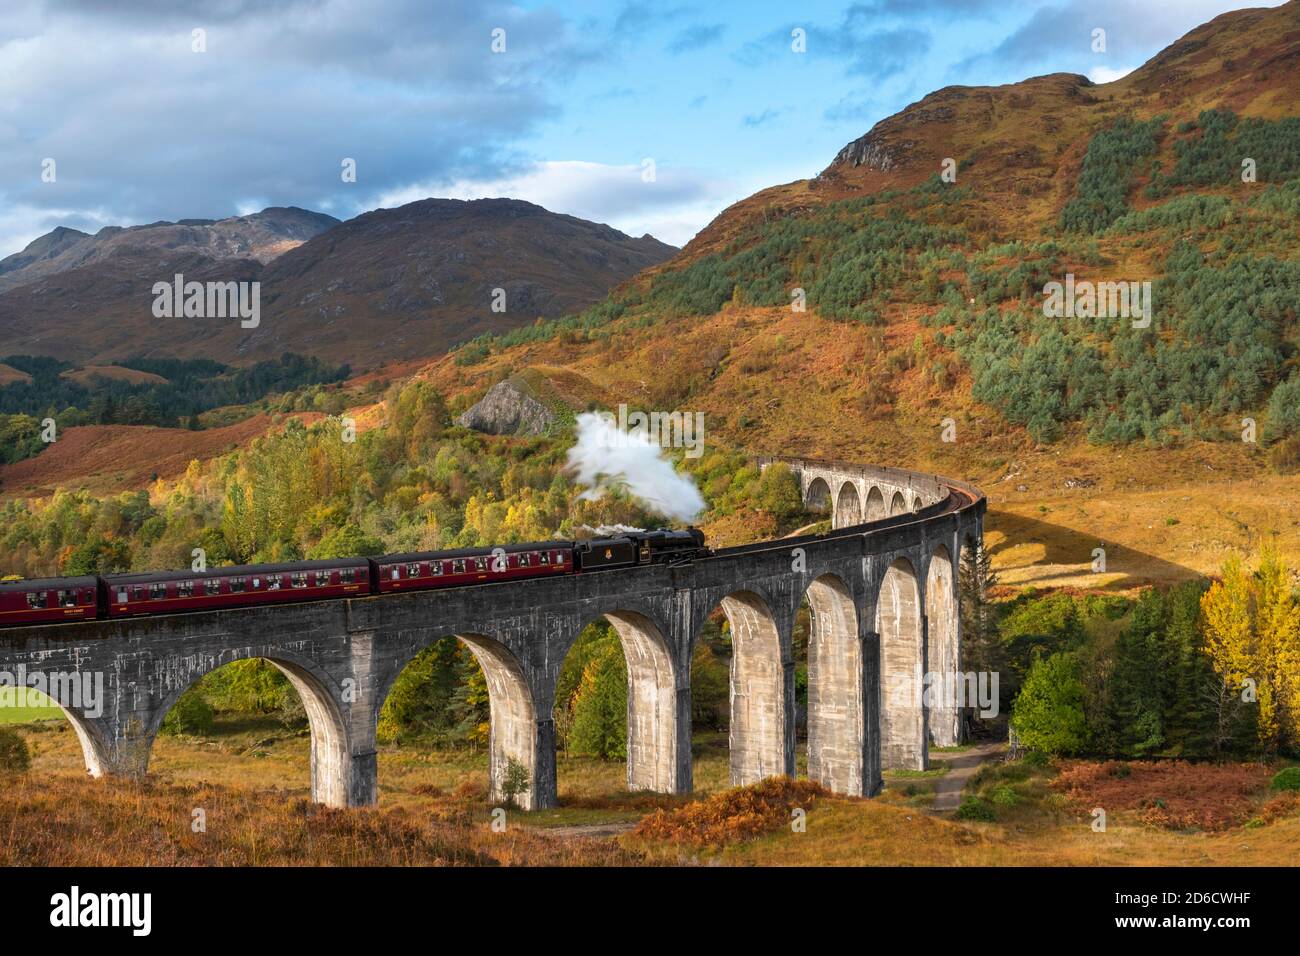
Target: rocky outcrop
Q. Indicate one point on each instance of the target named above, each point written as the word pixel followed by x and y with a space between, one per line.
pixel 508 410
pixel 869 151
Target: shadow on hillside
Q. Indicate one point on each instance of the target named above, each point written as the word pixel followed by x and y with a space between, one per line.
pixel 1073 548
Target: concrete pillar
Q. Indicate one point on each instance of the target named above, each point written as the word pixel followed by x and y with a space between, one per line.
pixel 871 719
pixel 332 764
pixel 761 692
pixel 517 736
pixel 835 713
pixel 943 654
pixel 901 626
pixel 652 705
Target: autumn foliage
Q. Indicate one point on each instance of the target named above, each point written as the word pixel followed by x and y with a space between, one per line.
pixel 1173 794
pixel 733 815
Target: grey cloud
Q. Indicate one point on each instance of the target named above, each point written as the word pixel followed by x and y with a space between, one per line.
pixel 144 129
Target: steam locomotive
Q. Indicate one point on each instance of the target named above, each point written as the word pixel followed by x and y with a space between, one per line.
pixel 52 600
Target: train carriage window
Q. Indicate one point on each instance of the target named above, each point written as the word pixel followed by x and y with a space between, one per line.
pixel 543 557
pixel 212 585
pixel 157 592
pixel 299 579
pixel 435 567
pixel 274 583
pixel 458 566
pixel 347 575
pixel 121 595
pixel 412 570
pixel 257 584
pixel 139 592
pixel 35 599
pixel 396 573
pixel 67 599
pixel 480 564
pixel 185 589
pixel 238 584
pixel 522 560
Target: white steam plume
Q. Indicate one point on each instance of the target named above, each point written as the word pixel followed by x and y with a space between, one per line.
pixel 603 457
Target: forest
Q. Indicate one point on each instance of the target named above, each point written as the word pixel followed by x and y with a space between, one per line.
pixel 171 393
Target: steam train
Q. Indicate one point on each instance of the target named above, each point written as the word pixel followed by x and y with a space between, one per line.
pixel 52 600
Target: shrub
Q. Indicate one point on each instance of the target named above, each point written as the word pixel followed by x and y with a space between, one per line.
pixel 516 781
pixel 1004 797
pixel 14 755
pixel 1287 779
pixel 975 808
pixel 191 714
pixel 736 814
pixel 1048 715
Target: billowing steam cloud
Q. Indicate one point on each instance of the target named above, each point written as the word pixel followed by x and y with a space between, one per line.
pixel 604 458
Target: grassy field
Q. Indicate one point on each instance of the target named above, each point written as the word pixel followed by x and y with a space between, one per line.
pixel 25 705
pixel 252 781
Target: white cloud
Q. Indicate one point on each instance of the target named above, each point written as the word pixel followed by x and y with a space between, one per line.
pixel 1106 74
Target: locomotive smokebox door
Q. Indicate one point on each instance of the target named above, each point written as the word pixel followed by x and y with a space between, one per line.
pixel 608 554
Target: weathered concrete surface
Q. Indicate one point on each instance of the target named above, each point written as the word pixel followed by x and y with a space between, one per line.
pixel 871 589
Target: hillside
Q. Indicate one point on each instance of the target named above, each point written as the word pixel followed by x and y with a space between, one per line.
pixel 388 285
pixel 111 458
pixel 261 237
pixel 925 303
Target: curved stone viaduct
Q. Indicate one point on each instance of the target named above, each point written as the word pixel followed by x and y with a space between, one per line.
pixel 881 587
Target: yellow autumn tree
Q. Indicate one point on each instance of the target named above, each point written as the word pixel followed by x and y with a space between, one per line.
pixel 1252 634
pixel 1277 623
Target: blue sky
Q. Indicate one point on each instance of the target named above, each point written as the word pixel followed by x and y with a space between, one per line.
pixel 143 127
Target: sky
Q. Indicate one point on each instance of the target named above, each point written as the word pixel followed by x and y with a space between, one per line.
pixel 649 116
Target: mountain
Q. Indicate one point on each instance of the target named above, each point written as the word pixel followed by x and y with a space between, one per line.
pixel 421 278
pixel 261 237
pixel 1020 146
pixel 925 314
pixel 390 284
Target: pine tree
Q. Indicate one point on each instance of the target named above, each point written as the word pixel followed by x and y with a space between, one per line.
pixel 600 705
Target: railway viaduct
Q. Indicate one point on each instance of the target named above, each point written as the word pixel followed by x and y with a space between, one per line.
pixel 881 587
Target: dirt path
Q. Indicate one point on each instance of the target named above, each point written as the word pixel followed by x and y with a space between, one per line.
pixel 593 831
pixel 961 767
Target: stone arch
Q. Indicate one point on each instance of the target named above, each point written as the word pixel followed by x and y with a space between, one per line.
pixel 651 703
pixel 897 504
pixel 848 507
pixel 876 504
pixel 917 503
pixel 941 617
pixel 817 499
pixel 903 743
pixel 757 736
pixel 330 755
pixel 94 748
pixel 836 720
pixel 512 732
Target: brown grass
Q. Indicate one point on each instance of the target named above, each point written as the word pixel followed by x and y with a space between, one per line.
pixel 733 815
pixel 1173 794
pixel 87 374
pixel 107 458
pixel 9 375
pixel 61 821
